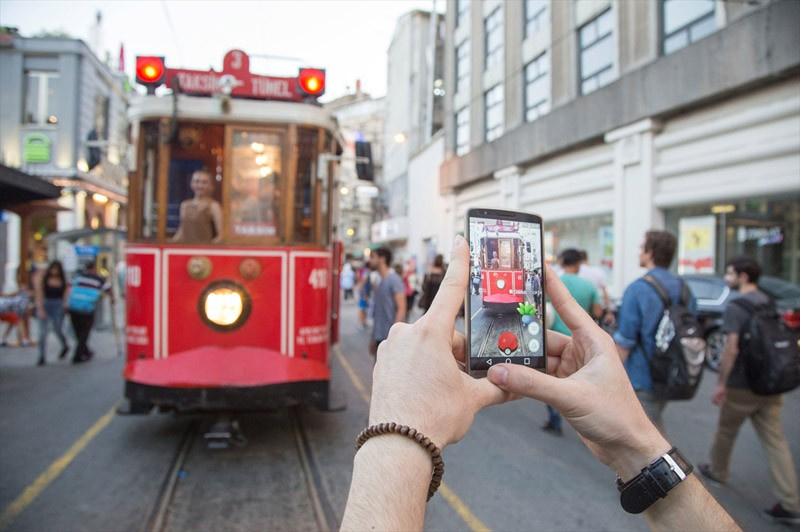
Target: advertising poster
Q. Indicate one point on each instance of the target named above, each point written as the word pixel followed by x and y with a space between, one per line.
pixel 696 244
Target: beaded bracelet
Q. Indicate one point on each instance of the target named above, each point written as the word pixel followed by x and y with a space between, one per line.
pixel 408 432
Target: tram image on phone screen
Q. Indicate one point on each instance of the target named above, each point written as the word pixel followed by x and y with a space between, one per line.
pixel 505 297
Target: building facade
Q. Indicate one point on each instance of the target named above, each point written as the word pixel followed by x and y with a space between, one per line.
pixel 361 119
pixel 62 118
pixel 609 118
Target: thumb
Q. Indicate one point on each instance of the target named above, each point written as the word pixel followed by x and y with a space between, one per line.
pixel 520 380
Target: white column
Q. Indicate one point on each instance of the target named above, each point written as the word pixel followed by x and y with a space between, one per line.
pixel 509 186
pixel 634 184
pixel 13 228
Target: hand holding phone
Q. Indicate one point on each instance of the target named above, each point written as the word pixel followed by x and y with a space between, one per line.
pixel 505 300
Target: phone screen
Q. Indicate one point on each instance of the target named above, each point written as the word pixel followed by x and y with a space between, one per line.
pixel 505 298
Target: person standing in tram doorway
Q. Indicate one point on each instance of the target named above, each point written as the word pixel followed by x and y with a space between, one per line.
pixel 389 301
pixel 82 302
pixel 201 216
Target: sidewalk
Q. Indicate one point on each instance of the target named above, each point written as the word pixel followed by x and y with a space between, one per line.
pixel 102 341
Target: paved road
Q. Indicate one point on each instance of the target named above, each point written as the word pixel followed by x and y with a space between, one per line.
pixel 506 474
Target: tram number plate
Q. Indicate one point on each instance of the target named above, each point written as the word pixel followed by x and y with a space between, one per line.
pixel 318 278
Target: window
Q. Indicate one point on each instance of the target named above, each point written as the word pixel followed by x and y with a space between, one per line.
pixel 536 13
pixel 463 58
pixel 494 112
pixel 41 89
pixel 462 12
pixel 686 22
pixel 493 32
pixel 304 199
pixel 597 53
pixel 537 88
pixel 462 131
pixel 255 184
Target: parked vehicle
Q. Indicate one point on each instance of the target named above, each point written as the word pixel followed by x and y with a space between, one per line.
pixel 713 295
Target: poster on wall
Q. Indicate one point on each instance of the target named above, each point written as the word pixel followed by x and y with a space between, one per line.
pixel 696 243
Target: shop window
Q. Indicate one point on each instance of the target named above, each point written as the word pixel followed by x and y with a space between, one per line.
pixel 462 12
pixel 41 91
pixel 593 234
pixel 686 22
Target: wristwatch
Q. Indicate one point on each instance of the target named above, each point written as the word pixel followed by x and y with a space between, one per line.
pixel 654 482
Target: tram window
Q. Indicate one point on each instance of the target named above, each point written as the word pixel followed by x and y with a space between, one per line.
pixel 149 205
pixel 307 140
pixel 255 183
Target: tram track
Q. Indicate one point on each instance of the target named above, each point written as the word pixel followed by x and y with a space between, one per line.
pixel 162 519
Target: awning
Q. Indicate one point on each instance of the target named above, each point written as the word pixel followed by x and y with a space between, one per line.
pixel 17 187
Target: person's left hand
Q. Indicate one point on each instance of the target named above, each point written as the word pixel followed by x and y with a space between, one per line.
pixel 417 380
pixel 720 395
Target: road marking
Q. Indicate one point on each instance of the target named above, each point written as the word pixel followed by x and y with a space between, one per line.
pixel 51 473
pixel 476 313
pixel 460 507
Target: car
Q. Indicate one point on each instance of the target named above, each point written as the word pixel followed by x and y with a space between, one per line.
pixel 713 294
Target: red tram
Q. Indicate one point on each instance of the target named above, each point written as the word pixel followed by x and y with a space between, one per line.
pixel 245 323
pixel 502 266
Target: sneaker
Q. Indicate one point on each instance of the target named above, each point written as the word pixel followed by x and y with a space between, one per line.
pixel 778 515
pixel 555 431
pixel 63 352
pixel 705 469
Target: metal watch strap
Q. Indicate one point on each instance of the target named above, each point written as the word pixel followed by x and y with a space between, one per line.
pixel 654 482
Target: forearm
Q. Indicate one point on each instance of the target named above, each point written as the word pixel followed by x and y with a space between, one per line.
pixel 391 475
pixel 689 506
pixel 729 355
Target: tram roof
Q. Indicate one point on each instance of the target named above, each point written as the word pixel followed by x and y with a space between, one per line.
pixel 207 109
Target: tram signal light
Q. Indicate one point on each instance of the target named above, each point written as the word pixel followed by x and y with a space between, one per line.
pixel 364 170
pixel 311 82
pixel 150 72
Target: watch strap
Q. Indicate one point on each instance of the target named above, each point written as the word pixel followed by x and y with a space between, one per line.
pixel 654 482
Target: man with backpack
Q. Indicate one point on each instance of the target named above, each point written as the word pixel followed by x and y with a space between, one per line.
pixel 752 315
pixel 640 317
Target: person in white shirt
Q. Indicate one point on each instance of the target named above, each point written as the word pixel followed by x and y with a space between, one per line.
pixel 598 278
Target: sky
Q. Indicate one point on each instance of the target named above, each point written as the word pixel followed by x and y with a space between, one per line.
pixel 347 38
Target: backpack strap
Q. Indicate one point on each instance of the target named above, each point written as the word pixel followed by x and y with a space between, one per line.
pixel 751 307
pixel 659 288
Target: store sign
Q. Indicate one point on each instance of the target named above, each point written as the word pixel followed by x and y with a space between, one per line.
pixel 87 251
pixel 235 79
pixel 766 236
pixel 697 244
pixel 36 148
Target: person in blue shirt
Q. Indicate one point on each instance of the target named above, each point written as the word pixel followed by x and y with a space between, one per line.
pixel 639 315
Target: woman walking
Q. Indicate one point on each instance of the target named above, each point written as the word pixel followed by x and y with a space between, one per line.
pixel 50 301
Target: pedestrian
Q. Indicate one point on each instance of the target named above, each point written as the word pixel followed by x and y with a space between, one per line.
pixel 389 301
pixel 364 294
pixel 14 309
pixel 641 310
pixel 598 278
pixel 585 293
pixel 82 302
pixel 410 284
pixel 348 281
pixel 536 290
pixel 494 264
pixel 51 301
pixel 200 216
pixel 422 400
pixel 430 283
pixel 738 402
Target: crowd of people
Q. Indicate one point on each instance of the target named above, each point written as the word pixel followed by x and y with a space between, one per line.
pixel 601 384
pixel 49 297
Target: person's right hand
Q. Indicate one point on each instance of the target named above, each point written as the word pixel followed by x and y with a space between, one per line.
pixel 588 385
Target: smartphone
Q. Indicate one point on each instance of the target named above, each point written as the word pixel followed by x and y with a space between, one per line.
pixel 504 307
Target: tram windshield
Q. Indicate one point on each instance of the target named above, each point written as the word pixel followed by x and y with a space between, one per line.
pixel 502 253
pixel 262 179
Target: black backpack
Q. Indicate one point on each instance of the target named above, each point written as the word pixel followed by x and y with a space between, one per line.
pixel 677 364
pixel 771 350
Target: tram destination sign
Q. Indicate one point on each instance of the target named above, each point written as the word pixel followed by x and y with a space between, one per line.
pixel 235 79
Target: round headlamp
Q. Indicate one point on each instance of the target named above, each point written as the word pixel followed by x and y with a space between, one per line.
pixel 224 305
pixel 500 284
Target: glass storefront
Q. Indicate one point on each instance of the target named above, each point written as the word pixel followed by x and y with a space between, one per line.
pixel 593 234
pixel 765 228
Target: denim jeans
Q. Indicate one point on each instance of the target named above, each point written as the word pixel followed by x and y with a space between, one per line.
pixel 53 313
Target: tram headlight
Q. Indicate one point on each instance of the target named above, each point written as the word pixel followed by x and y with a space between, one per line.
pixel 500 284
pixel 224 305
